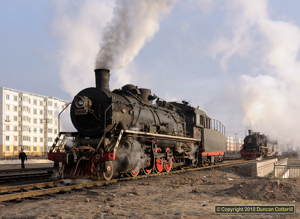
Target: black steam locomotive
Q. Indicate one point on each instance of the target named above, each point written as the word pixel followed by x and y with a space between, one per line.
pixel 257 145
pixel 124 132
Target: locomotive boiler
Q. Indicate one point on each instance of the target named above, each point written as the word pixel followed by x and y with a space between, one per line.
pixel 122 131
pixel 257 145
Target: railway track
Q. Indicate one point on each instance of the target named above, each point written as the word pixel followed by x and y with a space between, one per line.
pixel 11 178
pixel 12 175
pixel 32 190
pixel 26 170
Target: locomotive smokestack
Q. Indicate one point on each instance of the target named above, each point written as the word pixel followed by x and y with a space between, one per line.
pixel 102 79
pixel 250 132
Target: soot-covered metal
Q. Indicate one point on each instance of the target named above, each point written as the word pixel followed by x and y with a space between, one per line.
pixel 131 131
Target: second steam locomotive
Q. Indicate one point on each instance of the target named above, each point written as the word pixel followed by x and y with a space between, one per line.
pixel 257 145
pixel 122 131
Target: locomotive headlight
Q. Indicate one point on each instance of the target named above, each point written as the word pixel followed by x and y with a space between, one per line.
pixel 83 102
pixel 79 102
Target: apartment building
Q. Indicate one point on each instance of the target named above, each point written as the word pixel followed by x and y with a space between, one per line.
pixel 234 145
pixel 27 121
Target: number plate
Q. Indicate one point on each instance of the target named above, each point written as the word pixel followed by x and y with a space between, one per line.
pixel 80 112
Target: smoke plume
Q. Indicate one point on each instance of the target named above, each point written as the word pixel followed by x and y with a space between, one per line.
pixel 78 26
pixel 133 24
pixel 268 91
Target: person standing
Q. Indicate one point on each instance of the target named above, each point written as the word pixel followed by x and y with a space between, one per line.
pixel 22 156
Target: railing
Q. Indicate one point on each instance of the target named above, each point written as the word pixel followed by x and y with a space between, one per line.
pixel 287 171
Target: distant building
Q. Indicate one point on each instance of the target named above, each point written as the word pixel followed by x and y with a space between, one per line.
pixel 234 145
pixel 27 121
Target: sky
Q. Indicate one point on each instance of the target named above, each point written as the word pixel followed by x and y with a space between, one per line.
pixel 237 60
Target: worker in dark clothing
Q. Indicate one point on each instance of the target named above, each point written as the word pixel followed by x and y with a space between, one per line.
pixel 22 156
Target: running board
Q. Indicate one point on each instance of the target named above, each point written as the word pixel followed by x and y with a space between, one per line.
pixel 160 135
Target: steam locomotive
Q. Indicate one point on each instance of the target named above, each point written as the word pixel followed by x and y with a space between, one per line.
pixel 257 145
pixel 123 132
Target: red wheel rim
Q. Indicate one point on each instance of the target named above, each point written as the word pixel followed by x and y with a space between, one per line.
pixel 168 166
pixel 147 171
pixel 159 165
pixel 135 173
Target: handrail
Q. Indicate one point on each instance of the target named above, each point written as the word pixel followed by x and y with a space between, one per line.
pixel 59 116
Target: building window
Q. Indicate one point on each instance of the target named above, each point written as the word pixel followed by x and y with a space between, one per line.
pixel 15 138
pixel 34 102
pixel 34 139
pixel 49 103
pixel 25 119
pixel 15 108
pixel 49 139
pixel 41 121
pixel 15 128
pixel 50 112
pixel 15 98
pixel 55 131
pixel 7 148
pixel 35 130
pixel 25 148
pixel 41 130
pixel 41 149
pixel 25 109
pixel 7 107
pixel 41 103
pixel 7 137
pixel 50 121
pixel 7 128
pixel 34 111
pixel 35 121
pixel 15 148
pixel 7 118
pixel 25 138
pixel 26 99
pixel 35 149
pixel 41 139
pixel 7 96
pixel 50 131
pixel 41 112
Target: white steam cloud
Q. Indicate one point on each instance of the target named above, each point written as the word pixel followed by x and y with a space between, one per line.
pixel 133 24
pixel 268 95
pixel 123 27
pixel 78 26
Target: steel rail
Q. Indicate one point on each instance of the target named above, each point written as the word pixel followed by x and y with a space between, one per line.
pixel 8 178
pixel 27 170
pixel 44 191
